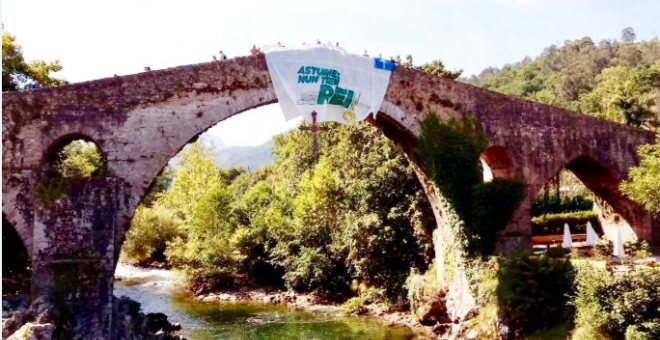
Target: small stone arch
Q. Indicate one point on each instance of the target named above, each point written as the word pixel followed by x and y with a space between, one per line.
pixel 496 162
pixel 51 155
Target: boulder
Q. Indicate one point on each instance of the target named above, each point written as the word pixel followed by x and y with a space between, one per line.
pixel 433 310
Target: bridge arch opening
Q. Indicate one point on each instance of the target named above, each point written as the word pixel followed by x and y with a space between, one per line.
pixel 585 190
pixel 496 162
pixel 16 264
pixel 75 156
pixel 153 211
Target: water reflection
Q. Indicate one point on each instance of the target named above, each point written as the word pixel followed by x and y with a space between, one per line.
pixel 249 320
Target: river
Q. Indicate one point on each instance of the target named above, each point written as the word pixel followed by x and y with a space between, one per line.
pixel 156 291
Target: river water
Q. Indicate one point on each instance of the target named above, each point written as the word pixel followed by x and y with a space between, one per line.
pixel 155 289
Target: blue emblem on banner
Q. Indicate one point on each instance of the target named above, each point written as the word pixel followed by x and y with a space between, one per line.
pixel 384 64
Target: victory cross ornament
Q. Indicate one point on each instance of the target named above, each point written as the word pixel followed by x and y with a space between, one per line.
pixel 314 128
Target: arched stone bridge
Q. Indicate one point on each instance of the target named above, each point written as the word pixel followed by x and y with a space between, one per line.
pixel 141 121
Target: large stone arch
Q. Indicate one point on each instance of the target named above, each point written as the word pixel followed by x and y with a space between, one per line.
pixel 604 182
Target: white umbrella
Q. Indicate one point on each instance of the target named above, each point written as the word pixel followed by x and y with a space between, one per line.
pixel 568 241
pixel 591 235
pixel 618 244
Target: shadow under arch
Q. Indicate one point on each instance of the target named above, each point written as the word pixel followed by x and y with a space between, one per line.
pixel 604 183
pixel 16 263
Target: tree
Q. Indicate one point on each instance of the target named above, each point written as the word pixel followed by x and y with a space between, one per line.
pixel 79 159
pixel 643 186
pixel 194 175
pixel 437 68
pixel 613 80
pixel 628 35
pixel 16 72
pixel 623 95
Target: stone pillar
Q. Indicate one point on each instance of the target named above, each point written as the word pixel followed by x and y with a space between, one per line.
pixel 74 240
pixel 517 234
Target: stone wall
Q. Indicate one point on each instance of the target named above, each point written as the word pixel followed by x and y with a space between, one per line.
pixel 74 246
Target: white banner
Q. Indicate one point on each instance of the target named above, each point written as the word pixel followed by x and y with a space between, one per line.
pixel 340 86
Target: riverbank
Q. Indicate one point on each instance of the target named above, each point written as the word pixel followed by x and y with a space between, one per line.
pixel 161 280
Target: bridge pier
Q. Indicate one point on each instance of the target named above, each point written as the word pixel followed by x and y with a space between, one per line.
pixel 74 246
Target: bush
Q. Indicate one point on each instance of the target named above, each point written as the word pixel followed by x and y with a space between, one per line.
pixel 425 293
pixel 354 306
pixel 638 248
pixel 617 306
pixel 533 293
pixel 644 331
pixel 556 252
pixel 604 248
pixel 553 224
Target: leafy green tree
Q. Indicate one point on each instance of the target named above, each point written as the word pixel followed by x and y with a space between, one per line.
pixel 204 253
pixel 194 175
pixel 79 159
pixel 150 231
pixel 311 252
pixel 643 185
pixel 16 72
pixel 624 94
pixel 160 185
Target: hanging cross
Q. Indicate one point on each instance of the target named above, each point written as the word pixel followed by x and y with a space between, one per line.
pixel 314 128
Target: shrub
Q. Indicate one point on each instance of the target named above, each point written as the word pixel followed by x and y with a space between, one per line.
pixel 354 306
pixel 638 248
pixel 556 252
pixel 533 293
pixel 604 248
pixel 617 306
pixel 422 291
pixel 644 331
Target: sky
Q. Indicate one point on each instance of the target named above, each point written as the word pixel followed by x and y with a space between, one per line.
pixel 97 39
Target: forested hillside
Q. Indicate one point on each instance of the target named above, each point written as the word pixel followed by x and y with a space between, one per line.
pixel 618 80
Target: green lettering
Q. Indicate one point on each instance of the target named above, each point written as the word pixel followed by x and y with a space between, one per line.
pixel 308 79
pixel 325 93
pixel 301 71
pixel 308 70
pixel 349 99
pixel 339 97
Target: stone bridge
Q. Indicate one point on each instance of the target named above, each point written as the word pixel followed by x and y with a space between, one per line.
pixel 141 121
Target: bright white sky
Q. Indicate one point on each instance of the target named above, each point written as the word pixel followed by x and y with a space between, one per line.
pixel 96 39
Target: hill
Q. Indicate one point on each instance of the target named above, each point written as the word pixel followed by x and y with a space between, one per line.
pixel 249 158
pixel 614 79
